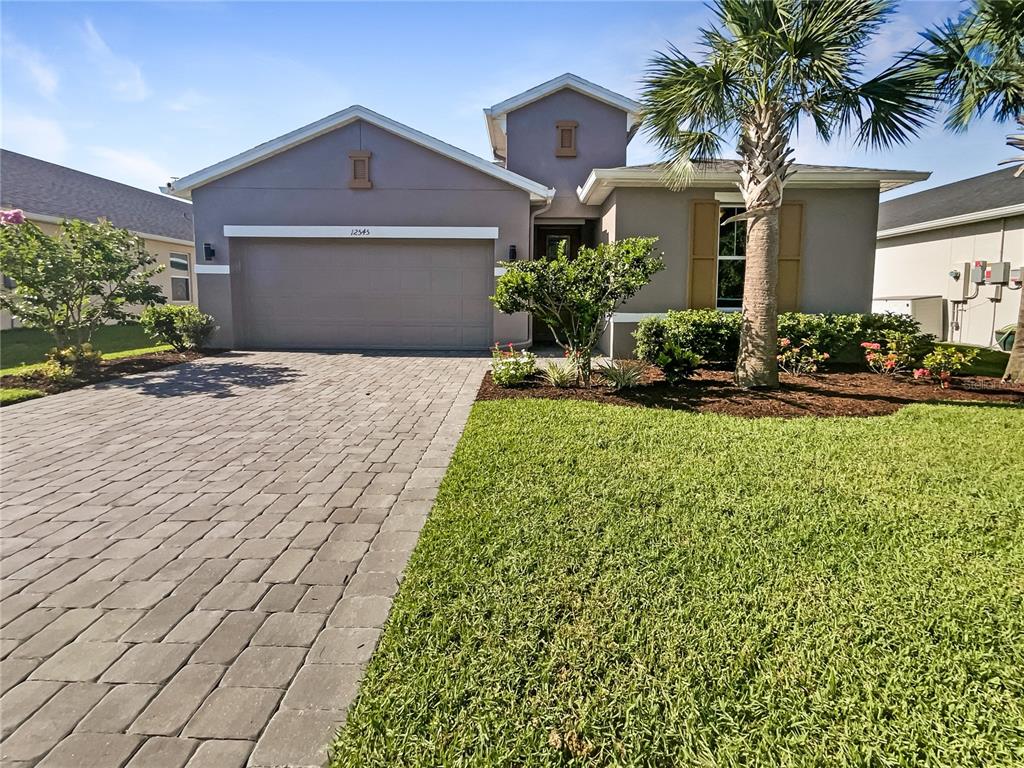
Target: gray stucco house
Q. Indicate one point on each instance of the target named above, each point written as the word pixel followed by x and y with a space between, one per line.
pixel 359 232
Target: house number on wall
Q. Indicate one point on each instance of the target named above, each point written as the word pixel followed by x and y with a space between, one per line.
pixel 359 232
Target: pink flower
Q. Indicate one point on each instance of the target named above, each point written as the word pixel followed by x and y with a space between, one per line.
pixel 824 355
pixel 15 216
pixel 870 345
pixel 784 342
pixel 922 373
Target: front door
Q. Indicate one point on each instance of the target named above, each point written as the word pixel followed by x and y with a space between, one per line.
pixel 546 240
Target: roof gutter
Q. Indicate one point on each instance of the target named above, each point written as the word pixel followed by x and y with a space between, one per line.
pixel 602 181
pixel 954 221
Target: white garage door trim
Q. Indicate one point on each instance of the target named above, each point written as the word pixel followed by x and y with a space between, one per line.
pixel 361 231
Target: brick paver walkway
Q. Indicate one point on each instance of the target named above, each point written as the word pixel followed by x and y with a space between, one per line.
pixel 196 562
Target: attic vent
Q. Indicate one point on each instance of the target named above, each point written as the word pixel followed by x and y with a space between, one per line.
pixel 360 170
pixel 566 145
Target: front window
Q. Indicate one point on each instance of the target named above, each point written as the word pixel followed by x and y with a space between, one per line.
pixel 732 258
pixel 179 261
pixel 553 241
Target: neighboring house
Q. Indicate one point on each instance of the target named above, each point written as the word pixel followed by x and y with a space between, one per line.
pixel 49 193
pixel 359 232
pixel 924 236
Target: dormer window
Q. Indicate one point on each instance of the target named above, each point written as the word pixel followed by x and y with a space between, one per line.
pixel 566 141
pixel 360 161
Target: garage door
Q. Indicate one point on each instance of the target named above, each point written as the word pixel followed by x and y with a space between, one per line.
pixel 383 294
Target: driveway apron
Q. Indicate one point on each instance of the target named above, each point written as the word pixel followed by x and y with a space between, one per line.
pixel 197 562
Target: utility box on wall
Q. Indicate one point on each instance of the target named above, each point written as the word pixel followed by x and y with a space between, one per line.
pixel 929 311
pixel 958 284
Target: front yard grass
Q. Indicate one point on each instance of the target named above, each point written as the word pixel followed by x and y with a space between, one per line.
pixel 12 395
pixel 600 585
pixel 20 347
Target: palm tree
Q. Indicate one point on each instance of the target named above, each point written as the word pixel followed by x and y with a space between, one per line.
pixel 764 65
pixel 976 63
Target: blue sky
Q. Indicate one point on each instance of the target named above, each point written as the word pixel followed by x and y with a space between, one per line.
pixel 139 92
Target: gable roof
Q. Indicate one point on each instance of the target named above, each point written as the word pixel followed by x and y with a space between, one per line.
pixel 46 189
pixel 720 173
pixel 183 187
pixel 495 115
pixel 989 196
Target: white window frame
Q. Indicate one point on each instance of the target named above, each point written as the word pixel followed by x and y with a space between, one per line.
pixel 175 255
pixel 720 258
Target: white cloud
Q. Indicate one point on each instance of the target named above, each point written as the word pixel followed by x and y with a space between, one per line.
pixel 34 64
pixel 186 101
pixel 130 167
pixel 36 136
pixel 123 76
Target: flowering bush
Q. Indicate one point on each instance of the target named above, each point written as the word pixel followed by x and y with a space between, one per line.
pixel 799 359
pixel 15 216
pixel 510 366
pixel 943 363
pixel 897 354
pixel 63 365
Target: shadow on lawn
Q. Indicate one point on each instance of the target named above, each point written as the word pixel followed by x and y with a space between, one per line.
pixel 217 377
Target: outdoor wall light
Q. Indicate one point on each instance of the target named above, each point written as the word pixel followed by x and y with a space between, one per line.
pixel 511 253
pixel 208 252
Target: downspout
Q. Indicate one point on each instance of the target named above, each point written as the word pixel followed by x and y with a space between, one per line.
pixel 533 218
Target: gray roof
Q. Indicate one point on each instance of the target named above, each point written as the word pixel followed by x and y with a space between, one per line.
pixel 728 164
pixel 980 193
pixel 39 187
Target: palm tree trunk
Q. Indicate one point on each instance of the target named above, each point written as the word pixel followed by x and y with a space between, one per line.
pixel 1015 365
pixel 764 149
pixel 757 365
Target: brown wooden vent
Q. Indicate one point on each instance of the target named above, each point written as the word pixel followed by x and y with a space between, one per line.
pixel 360 170
pixel 566 146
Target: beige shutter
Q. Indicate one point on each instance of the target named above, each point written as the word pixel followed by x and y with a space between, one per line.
pixel 704 254
pixel 791 230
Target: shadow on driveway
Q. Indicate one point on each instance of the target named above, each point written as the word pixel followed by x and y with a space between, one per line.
pixel 219 377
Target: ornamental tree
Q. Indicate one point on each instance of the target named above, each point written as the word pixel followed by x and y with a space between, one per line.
pixel 576 296
pixel 71 283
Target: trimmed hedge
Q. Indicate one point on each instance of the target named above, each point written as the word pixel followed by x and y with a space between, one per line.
pixel 715 335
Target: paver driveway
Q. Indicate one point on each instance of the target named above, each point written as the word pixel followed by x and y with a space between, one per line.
pixel 197 562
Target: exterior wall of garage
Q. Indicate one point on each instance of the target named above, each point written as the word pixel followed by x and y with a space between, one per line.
pixel 308 185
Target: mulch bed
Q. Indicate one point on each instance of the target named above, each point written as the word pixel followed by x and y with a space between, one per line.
pixel 842 393
pixel 109 369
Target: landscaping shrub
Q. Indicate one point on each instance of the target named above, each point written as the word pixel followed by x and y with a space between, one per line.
pixel 897 352
pixel 943 363
pixel 510 366
pixel 677 363
pixel 182 326
pixel 576 294
pixel 715 336
pixel 63 365
pixel 559 375
pixel 799 359
pixel 623 374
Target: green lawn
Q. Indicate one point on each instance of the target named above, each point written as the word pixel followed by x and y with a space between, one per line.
pixel 617 586
pixel 15 395
pixel 27 346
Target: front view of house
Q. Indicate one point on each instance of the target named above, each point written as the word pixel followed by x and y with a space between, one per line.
pixel 358 232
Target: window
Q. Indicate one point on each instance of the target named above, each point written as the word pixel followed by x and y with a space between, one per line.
pixel 566 141
pixel 732 258
pixel 552 243
pixel 180 289
pixel 179 261
pixel 360 161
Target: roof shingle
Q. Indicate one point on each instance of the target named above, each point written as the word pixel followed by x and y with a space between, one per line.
pixel 39 187
pixel 980 193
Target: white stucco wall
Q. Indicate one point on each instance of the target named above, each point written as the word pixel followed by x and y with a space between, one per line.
pixel 919 264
